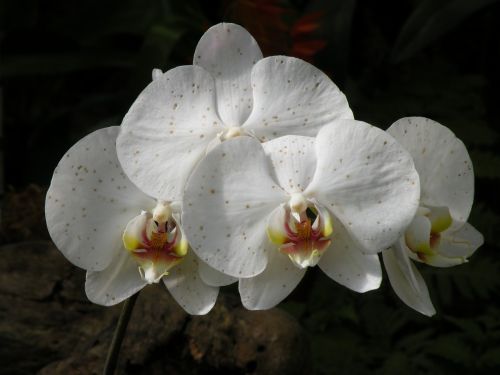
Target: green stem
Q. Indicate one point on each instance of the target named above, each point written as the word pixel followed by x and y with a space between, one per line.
pixel 116 343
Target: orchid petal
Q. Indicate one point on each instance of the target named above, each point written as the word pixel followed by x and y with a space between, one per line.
pixel 226 204
pixel 344 262
pixel 294 161
pixel 167 129
pixel 211 276
pixel 90 201
pixel 416 298
pixel 229 52
pixel 117 282
pixel 187 288
pixel 400 252
pixel 291 96
pixel 366 179
pixel 460 243
pixel 442 161
pixel 273 285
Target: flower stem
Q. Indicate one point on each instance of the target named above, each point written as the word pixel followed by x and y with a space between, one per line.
pixel 116 343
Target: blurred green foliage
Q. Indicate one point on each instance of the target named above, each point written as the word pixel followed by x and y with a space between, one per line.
pixel 69 67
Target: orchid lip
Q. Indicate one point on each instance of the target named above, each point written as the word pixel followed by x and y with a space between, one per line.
pixel 156 242
pixel 302 230
pixel 423 236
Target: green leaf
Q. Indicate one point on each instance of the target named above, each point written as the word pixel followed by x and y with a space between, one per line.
pixel 491 358
pixel 452 348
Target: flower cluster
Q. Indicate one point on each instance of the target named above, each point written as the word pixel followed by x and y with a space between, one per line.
pixel 247 169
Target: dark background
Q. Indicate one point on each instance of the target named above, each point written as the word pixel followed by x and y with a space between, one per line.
pixel 70 67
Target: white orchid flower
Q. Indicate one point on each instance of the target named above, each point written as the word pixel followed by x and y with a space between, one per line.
pixel 439 235
pixel 266 212
pixel 230 90
pixel 125 240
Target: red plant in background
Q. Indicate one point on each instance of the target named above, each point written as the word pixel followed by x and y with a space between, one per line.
pixel 305 44
pixel 278 27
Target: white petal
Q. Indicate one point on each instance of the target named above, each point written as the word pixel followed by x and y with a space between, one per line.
pixel 293 97
pixel 460 243
pixel 442 161
pixel 344 262
pixel 272 286
pixel 117 282
pixel 167 129
pixel 229 52
pixel 90 201
pixel 226 204
pixel 367 180
pixel 294 161
pixel 187 288
pixel 211 276
pixel 400 252
pixel 417 300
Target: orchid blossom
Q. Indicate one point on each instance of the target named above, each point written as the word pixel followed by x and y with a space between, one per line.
pixel 439 234
pixel 103 223
pixel 230 90
pixel 265 212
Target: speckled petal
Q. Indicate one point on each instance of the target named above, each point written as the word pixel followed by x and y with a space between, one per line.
pixel 116 283
pixel 291 96
pixel 229 52
pixel 272 286
pixel 211 276
pixel 294 161
pixel 442 161
pixel 90 201
pixel 344 262
pixel 226 204
pixel 167 130
pixel 187 288
pixel 367 180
